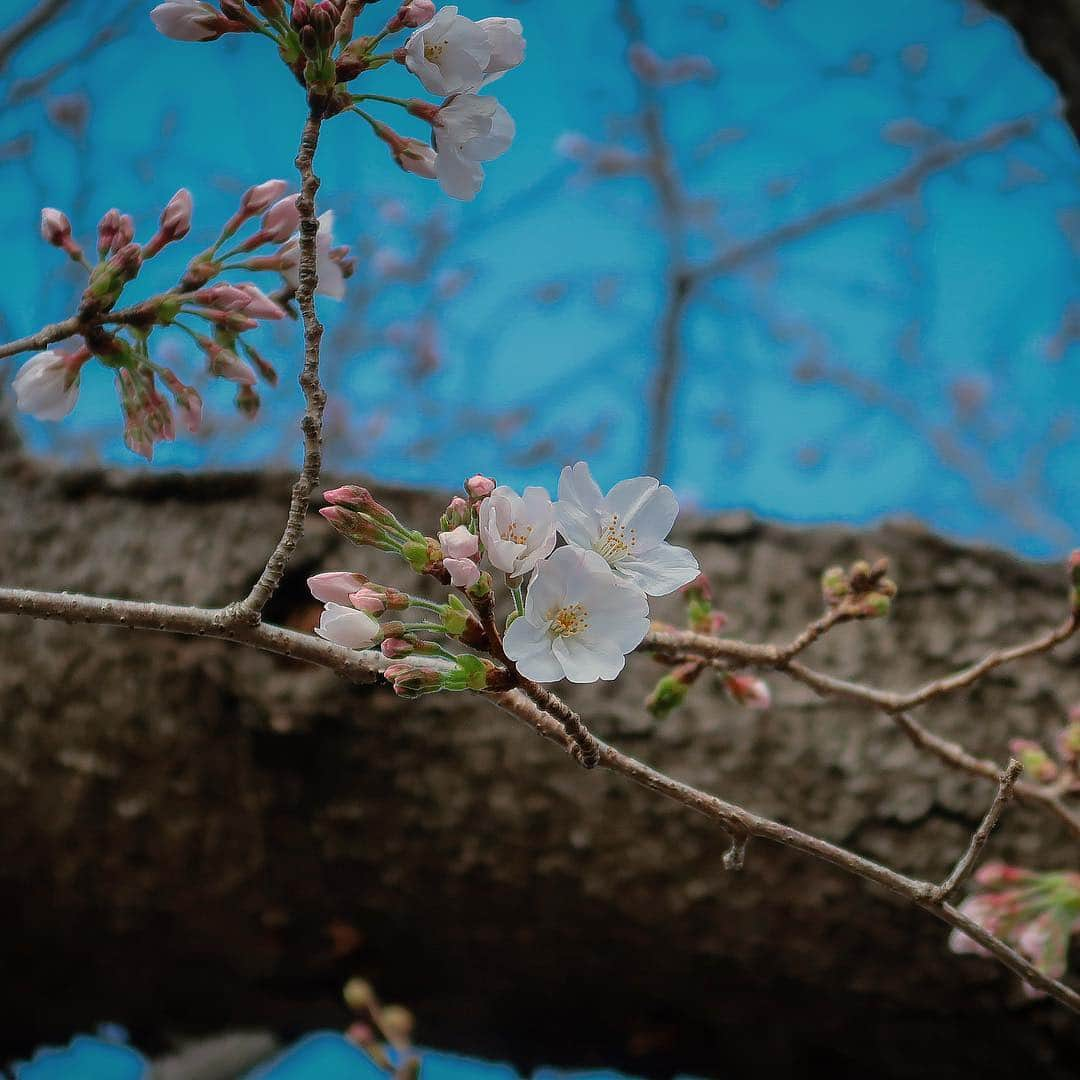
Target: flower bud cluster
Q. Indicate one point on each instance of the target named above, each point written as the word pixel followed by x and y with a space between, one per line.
pixel 47 385
pixel 861 592
pixel 1036 913
pixel 453 57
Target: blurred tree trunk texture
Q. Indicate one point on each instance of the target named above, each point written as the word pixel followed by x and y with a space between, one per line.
pixel 197 836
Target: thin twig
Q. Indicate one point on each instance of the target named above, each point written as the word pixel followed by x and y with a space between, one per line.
pixel 251 607
pixel 966 863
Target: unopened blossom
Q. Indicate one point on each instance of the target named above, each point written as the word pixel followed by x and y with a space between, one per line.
pixel 55 226
pixel 507 46
pixel 259 305
pixel 174 225
pixel 335 586
pixel 47 385
pixel 261 196
pixel 450 54
pixel 460 548
pixel 188 401
pixel 331 276
pixel 280 221
pixel 367 599
pixel 627 526
pixel 347 626
pixel 748 690
pixel 517 530
pixel 189 20
pixel 469 130
pixel 479 486
pixel 580 620
pixel 412 13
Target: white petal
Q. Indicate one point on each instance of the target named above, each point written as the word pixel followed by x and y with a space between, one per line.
pixel 577 487
pixel 460 179
pixel 577 526
pixel 584 664
pixel 661 570
pixel 628 497
pixel 504 554
pixel 496 142
pixel 529 647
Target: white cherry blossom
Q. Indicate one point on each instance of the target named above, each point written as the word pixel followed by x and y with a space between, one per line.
pixel 507 46
pixel 47 386
pixel 331 278
pixel 469 130
pixel 347 626
pixel 627 526
pixel 517 530
pixel 580 620
pixel 449 54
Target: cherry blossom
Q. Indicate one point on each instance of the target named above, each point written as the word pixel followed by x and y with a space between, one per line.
pixel 188 20
pixel 469 130
pixel 449 54
pixel 459 548
pixel 331 277
pixel 347 626
pixel 517 530
pixel 47 385
pixel 627 526
pixel 580 620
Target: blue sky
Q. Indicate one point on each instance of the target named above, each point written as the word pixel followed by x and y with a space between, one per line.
pixel 932 324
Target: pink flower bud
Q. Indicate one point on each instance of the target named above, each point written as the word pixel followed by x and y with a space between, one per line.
pixel 464 573
pixel 280 221
pixel 189 20
pixel 459 543
pixel 56 230
pixel 336 586
pixel 187 399
pixel 260 197
pixel 412 13
pixel 108 229
pixel 225 364
pixel 367 599
pixel 176 217
pixel 396 648
pixel 748 690
pixel 259 305
pixel 479 487
pixel 174 224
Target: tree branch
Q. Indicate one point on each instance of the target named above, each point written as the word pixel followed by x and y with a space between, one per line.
pixel 966 863
pixel 737 821
pixel 250 608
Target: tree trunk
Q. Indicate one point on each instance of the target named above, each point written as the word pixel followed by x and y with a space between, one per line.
pixel 197 836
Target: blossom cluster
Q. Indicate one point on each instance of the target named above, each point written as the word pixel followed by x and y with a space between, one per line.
pixel 1036 913
pixel 579 608
pixel 47 385
pixel 452 56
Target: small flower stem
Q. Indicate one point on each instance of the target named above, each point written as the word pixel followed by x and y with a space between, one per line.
pixel 368 117
pixel 517 593
pixel 381 97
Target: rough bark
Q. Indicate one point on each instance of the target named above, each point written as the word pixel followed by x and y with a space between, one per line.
pixel 198 836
